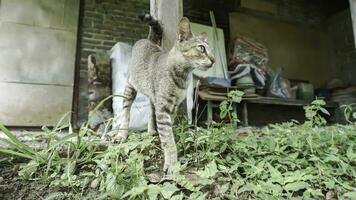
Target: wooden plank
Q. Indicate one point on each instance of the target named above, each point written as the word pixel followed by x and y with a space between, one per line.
pixel 278 101
pixel 353 15
pixel 168 13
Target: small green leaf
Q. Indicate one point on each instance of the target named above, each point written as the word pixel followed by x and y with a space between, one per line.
pixel 351 195
pixel 29 169
pixel 246 188
pixel 350 154
pixel 153 191
pixel 319 102
pixel 209 171
pixel 168 190
pixel 177 197
pixel 296 186
pixel 112 188
pixel 323 110
pixel 223 114
pixel 224 188
pixel 197 196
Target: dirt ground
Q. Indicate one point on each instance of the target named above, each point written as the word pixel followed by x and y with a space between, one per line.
pixel 12 187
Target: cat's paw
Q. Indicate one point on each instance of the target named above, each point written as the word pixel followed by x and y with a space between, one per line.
pixel 168 166
pixel 121 137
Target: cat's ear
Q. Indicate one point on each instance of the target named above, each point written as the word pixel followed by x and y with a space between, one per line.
pixel 184 31
pixel 203 36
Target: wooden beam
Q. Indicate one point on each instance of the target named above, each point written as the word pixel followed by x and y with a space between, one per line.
pixel 353 15
pixel 168 13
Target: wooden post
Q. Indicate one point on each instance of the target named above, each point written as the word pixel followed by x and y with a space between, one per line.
pixel 244 113
pixel 168 12
pixel 353 15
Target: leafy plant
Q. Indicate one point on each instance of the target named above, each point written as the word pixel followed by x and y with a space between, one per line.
pixel 227 106
pixel 312 113
pixel 349 113
pixel 282 161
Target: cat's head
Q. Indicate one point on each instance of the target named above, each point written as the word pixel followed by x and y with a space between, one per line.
pixel 194 49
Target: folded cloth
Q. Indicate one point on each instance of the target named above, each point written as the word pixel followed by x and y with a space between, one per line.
pixel 242 70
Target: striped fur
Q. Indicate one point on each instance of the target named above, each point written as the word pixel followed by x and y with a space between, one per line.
pixel 162 77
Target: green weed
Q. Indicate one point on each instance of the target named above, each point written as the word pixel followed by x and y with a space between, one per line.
pixel 227 106
pixel 282 161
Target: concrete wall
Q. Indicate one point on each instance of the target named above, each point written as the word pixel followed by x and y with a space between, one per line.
pixel 341 32
pixel 37 54
pixel 301 51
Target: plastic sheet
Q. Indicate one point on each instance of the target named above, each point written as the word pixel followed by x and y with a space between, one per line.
pixel 120 57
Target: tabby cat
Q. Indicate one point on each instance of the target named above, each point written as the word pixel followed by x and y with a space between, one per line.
pixel 162 77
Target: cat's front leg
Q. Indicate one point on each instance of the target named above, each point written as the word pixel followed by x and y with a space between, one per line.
pixel 130 95
pixel 165 131
pixel 152 124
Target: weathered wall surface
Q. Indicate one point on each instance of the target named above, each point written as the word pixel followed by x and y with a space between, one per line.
pixel 301 51
pixel 344 53
pixel 310 43
pixel 302 12
pixel 37 54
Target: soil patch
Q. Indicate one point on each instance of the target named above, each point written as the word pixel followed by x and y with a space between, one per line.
pixel 13 187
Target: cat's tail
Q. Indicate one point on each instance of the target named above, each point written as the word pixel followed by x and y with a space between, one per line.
pixel 155 34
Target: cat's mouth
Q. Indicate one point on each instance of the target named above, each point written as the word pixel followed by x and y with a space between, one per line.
pixel 204 68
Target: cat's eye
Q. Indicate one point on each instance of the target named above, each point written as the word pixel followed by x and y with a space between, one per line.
pixel 201 48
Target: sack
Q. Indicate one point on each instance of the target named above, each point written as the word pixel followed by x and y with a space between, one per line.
pixel 280 87
pixel 120 58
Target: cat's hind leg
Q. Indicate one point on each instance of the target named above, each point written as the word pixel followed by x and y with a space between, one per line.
pixel 130 95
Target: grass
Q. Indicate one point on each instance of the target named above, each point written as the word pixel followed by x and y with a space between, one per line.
pixel 282 161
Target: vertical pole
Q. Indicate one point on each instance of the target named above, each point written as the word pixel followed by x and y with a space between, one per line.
pixel 353 16
pixel 168 12
pixel 245 113
pixel 210 112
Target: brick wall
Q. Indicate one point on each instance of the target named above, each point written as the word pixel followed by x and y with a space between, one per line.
pixel 103 23
pixel 341 32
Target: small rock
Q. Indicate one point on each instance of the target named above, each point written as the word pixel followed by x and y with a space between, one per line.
pixel 330 195
pixel 94 183
pixel 154 178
